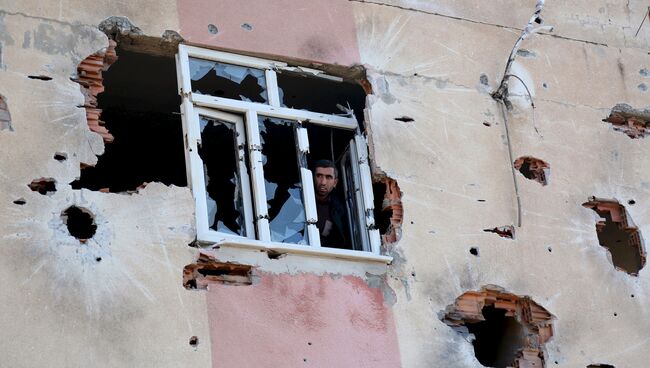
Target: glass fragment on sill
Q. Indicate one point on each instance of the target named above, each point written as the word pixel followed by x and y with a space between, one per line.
pixel 286 210
pixel 228 81
pixel 219 153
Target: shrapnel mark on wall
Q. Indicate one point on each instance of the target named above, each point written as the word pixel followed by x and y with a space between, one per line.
pixel 207 270
pixel 628 120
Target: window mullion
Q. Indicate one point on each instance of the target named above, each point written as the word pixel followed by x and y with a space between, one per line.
pixel 257 175
pixel 245 181
pixel 183 60
pixel 307 181
pixel 195 169
pixel 359 195
pixel 272 88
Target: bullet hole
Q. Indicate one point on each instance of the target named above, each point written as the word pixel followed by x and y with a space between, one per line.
pixel 600 366
pixel 487 124
pixel 247 27
pixel 538 20
pixel 80 222
pixel 304 359
pixel 632 122
pixel 412 222
pixel 272 254
pixel 483 79
pixel 309 343
pixel 213 29
pixel 20 201
pixel 507 231
pixel 615 314
pixel 40 77
pixel 98 259
pixel 642 87
pixel 618 234
pixel 631 202
pixel 632 296
pixel 405 119
pixel 533 168
pixel 5 116
pixel 549 249
pixel 473 251
pixel 60 156
pixel 644 72
pixel 506 330
pixel 194 341
pixel 43 186
pixel 480 200
pixel 544 85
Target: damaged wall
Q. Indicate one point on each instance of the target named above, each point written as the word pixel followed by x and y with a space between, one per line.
pixel 434 129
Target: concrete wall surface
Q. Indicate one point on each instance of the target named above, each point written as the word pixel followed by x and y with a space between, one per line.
pixel 118 299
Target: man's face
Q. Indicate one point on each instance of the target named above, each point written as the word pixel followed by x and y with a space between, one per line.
pixel 324 181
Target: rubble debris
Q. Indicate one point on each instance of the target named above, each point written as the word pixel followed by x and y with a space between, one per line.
pixel 533 168
pixel 80 222
pixel 43 186
pixel 506 330
pixel 207 270
pixel 628 120
pixel 114 26
pixel 5 116
pixel 618 234
pixel 89 76
pixel 388 209
pixel 507 231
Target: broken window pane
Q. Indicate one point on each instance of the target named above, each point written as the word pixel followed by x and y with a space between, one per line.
pixel 229 81
pixel 219 153
pixel 319 94
pixel 282 180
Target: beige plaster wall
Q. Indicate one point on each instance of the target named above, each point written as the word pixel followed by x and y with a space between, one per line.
pixel 428 67
pixel 60 305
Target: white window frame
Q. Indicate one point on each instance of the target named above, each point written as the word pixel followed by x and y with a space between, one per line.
pixel 244 115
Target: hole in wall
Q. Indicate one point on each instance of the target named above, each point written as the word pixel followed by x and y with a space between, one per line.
pixel 533 168
pixel 600 366
pixel 20 201
pixel 194 341
pixel 60 156
pixel 40 77
pixel 44 186
pixel 507 231
pixel 506 330
pixel 405 119
pixel 473 251
pixel 212 29
pixel 388 211
pixel 80 222
pixel 618 234
pixel 272 254
pixel 247 27
pixel 631 202
pixel 632 122
pixel 487 124
pixel 207 270
pixel 140 107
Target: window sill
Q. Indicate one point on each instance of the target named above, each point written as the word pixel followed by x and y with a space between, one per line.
pixel 351 255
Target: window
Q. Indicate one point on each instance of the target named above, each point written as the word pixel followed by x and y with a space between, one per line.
pixel 252 137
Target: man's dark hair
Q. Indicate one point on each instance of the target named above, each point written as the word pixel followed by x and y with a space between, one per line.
pixel 327 163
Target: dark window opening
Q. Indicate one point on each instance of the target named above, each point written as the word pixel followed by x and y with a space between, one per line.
pixel 140 108
pixel 617 233
pixel 322 95
pixel 219 153
pixel 497 339
pixel 80 223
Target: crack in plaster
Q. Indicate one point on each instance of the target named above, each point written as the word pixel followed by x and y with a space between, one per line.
pixel 476 21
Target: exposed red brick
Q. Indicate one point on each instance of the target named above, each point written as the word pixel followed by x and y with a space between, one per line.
pixel 90 78
pixel 392 202
pixel 208 269
pixel 630 121
pixel 611 209
pixel 533 168
pixel 535 320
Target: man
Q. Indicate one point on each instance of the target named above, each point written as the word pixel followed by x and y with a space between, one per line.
pixel 331 211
